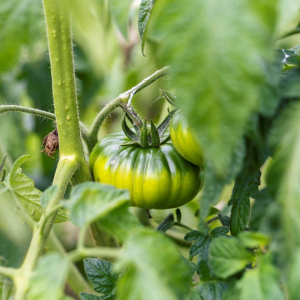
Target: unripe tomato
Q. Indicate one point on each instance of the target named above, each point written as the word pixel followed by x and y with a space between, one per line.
pixel 157 178
pixel 184 140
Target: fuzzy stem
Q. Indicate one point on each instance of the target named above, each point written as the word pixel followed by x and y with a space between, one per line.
pixel 72 162
pixel 47 115
pixel 122 101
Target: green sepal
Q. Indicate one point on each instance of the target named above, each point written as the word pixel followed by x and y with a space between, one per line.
pixel 165 140
pixel 166 122
pixel 128 132
pixel 168 96
pixel 132 144
pixel 136 128
pixel 154 136
pixel 144 136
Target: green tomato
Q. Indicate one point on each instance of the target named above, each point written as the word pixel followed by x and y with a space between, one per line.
pixel 157 178
pixel 184 140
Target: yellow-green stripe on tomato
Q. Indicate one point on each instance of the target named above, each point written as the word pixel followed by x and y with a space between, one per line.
pixel 157 178
pixel 184 139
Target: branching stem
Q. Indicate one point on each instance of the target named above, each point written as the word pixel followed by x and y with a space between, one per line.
pixel 105 252
pixel 124 101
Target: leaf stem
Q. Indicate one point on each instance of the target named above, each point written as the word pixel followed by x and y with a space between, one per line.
pixel 123 101
pixel 105 252
pixel 212 220
pixel 47 115
pixel 9 272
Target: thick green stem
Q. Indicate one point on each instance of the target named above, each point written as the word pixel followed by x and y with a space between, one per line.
pixel 72 162
pixel 124 101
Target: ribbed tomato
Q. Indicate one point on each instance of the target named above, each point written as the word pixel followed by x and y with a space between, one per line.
pixel 184 139
pixel 157 177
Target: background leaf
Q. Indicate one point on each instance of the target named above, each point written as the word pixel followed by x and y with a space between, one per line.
pixel 119 10
pixel 145 12
pixel 261 283
pixel 90 201
pixel 213 290
pixel 154 268
pixel 49 277
pixel 254 239
pixel 228 256
pixel 209 94
pixel 166 224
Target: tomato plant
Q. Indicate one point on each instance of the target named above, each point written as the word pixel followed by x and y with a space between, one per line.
pixel 231 70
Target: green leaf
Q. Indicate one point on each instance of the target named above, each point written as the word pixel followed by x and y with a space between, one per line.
pixel 213 290
pixel 204 270
pixel 253 239
pixel 118 223
pixel 48 194
pixel 284 175
pixel 90 201
pixel 228 256
pixel 24 190
pixel 86 296
pixel 194 295
pixel 154 268
pixel 293 275
pixel 210 65
pixel 119 10
pixel 219 231
pixel 48 279
pixel 200 245
pixel 289 85
pixel 261 283
pixel 166 224
pixel 260 208
pixel 21 25
pixel 214 184
pixel 145 12
pixel 288 16
pixel 240 211
pixel 101 275
pixel 225 220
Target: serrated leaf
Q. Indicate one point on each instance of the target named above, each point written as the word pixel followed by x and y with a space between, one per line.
pixel 228 256
pixel 240 211
pixel 213 290
pixel 48 279
pixel 261 283
pixel 145 12
pixel 214 183
pixel 225 220
pixel 101 275
pixel 154 268
pixel 119 10
pixel 166 224
pixel 204 81
pixel 23 188
pixel 48 194
pixel 118 223
pixel 90 201
pixel 86 296
pixel 253 239
pixel 219 231
pixel 200 245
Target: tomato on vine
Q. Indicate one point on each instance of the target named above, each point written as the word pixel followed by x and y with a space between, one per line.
pixel 184 140
pixel 147 164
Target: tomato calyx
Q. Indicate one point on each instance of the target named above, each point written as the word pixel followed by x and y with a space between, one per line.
pixel 149 136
